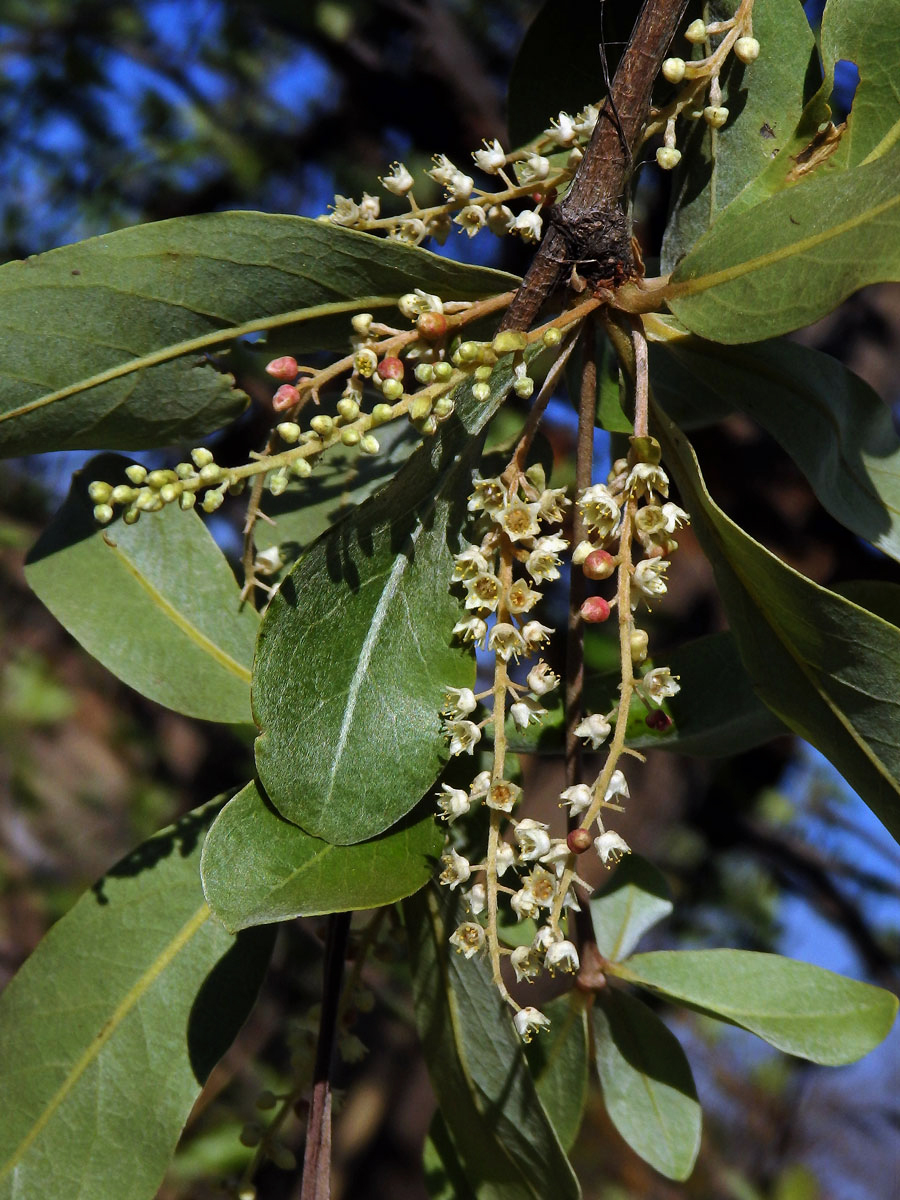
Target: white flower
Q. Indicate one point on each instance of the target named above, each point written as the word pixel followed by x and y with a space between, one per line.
pixel 529 1021
pixel 443 170
pixel 468 938
pixel 413 304
pixel 503 795
pixel 646 479
pixel 649 579
pixel 460 187
pixel 484 591
pixel 552 503
pixel 476 898
pixel 542 563
pixel 532 838
pixel 578 797
pixel 525 963
pixel 487 494
pixel 562 130
pixel 344 211
pixel 398 180
pixel 528 225
pixel 674 517
pixel 524 904
pixel 610 847
pixel 523 712
pixel 369 207
pixel 586 120
pixel 438 227
pixel 521 598
pixel 542 886
pixel 453 802
pixel 506 857
pixel 594 729
pixel 471 219
pixel 561 956
pixel 533 169
pixel 657 685
pixel 617 789
pixel 535 634
pixel 463 736
pixel 599 509
pixel 459 702
pixel 544 938
pixel 491 158
pixel 541 679
pixel 480 785
pixel 506 641
pixel 456 869
pixel 410 231
pixel 557 856
pixel 470 561
pixel 500 219
pixel 519 520
pixel 472 629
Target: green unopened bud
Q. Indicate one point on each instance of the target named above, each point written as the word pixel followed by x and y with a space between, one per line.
pixel 644 450
pixel 210 473
pixel 289 431
pixel 523 387
pixel 469 352
pixel 187 500
pixel 170 491
pixel 381 413
pixel 483 373
pixel 103 514
pixel 156 479
pixel 362 322
pixel 424 372
pixel 392 389
pixel 639 643
pixel 508 341
pixel 350 437
pixel 122 494
pixel 673 69
pixel 369 444
pixel 420 407
pixel 348 408
pixel 746 49
pixel 251 1135
pixel 212 501
pixel 715 115
pixel 278 481
pixel 552 336
pixel 321 424
pixel 668 157
pixel 147 501
pixel 696 31
pixel 131 515
pixel 443 371
pixel 99 491
pixel 302 468
pixel 283 1158
pixel 428 426
pixel 136 473
pixel 201 456
pixel 481 391
pixel 443 407
pixel 184 470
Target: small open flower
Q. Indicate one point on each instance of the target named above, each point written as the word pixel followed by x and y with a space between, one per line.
pixel 557 856
pixel 409 231
pixel 491 158
pixel 480 785
pixel 521 598
pixel 453 803
pixel 535 634
pixel 541 679
pixel 586 120
pixel 471 629
pixel 344 211
pixel 532 838
pixel 398 180
pixel 523 712
pixel 468 938
pixel 529 1021
pixel 506 857
pixel 528 225
pixel 645 479
pixel 562 130
pixel 470 561
pixel 610 847
pixel 649 580
pixel 594 729
pixel 674 517
pixel 456 869
pixel 484 591
pixel 459 702
pixel 476 898
pixel 471 219
pixel 506 641
pixel 599 509
pixel 541 884
pixel 561 956
pixel 526 964
pixel 487 494
pixel 519 520
pixel 543 559
pixel 503 795
pixel 617 788
pixel 463 736
pixel 524 905
pixel 578 797
pixel 369 207
pixel 534 169
pixel 443 170
pixel 657 685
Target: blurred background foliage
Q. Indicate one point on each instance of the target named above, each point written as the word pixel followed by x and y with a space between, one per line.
pixel 118 113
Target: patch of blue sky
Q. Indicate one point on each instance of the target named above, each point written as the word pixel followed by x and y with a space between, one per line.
pixel 182 25
pixel 304 85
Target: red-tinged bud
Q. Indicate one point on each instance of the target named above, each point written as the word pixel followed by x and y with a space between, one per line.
pixel 658 720
pixel 594 610
pixel 286 397
pixel 599 564
pixel 432 325
pixel 389 368
pixel 546 198
pixel 285 368
pixel 579 840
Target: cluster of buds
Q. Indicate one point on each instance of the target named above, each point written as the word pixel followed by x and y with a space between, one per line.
pixel 533 174
pixel 149 491
pixel 700 92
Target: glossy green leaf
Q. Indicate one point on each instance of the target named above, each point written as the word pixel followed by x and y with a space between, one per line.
pixel 559 1064
pixel 257 867
pixel 105 341
pixel 648 1088
pixel 344 477
pixel 355 652
pixel 793 257
pixel 797 1008
pixel 499 1129
pixel 765 100
pixel 559 65
pixel 825 666
pixel 155 602
pixel 110 1029
pixel 632 902
pixel 834 426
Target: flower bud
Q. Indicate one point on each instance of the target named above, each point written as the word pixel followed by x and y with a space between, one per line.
pixel 390 368
pixel 420 407
pixel 673 70
pixel 481 391
pixel 508 341
pixel 746 49
pixel 284 368
pixel 100 492
pixel 594 610
pixel 657 720
pixel 278 481
pixel 362 323
pixel 599 564
pixel 286 397
pixel 289 432
pixel 369 444
pixel 321 424
pixel 424 372
pixel 302 468
pixel 444 406
pixel 122 494
pixel 350 437
pixel 212 501
pixel 210 473
pixel 137 474
pixel 552 336
pixel 696 31
pixel 639 645
pixel 156 479
pixel 103 514
pixel 442 371
pixel 579 840
pixel 380 414
pixel 348 409
pixel 392 390
pixel 170 491
pixel 667 158
pixel 432 326
pixel 131 516
pixel 523 387
pixel 715 115
pixel 428 426
pixel 186 501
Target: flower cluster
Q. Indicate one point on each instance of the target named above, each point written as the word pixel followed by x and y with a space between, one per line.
pixel 528 174
pixel 700 91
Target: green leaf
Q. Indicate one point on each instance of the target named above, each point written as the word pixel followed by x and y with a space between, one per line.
pixel 765 101
pixel 825 666
pixel 110 1029
pixel 499 1129
pixel 444 1177
pixel 648 1088
pixel 834 426
pixel 635 899
pixel 559 65
pixel 155 602
pixel 558 1061
pixel 257 867
pixel 344 477
pixel 797 1008
pixel 105 341
pixel 355 652
pixel 792 258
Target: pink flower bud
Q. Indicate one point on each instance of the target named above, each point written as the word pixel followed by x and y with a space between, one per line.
pixel 283 368
pixel 599 564
pixel 286 397
pixel 432 325
pixel 594 610
pixel 578 841
pixel 390 368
